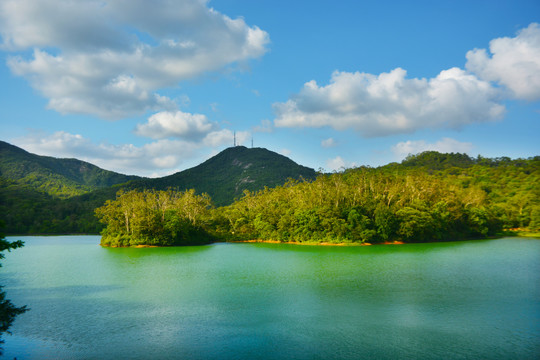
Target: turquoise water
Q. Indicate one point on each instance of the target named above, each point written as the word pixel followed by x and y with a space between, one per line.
pixel 463 300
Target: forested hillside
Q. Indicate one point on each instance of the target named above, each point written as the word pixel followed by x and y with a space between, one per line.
pixel 60 178
pixel 397 202
pixel 429 197
pixel 46 195
pixel 228 174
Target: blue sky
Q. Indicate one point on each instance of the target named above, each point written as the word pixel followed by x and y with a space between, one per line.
pixel 154 87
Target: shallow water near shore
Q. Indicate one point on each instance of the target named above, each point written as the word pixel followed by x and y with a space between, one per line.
pixel 459 300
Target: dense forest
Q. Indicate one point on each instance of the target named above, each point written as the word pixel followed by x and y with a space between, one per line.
pixel 152 217
pixel 59 178
pixel 246 195
pixel 428 197
pixel 44 195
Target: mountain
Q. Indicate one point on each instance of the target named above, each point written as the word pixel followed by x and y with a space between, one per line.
pixel 225 176
pixel 40 194
pixel 62 178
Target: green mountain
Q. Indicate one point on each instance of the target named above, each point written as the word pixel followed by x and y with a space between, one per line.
pixel 62 178
pixel 40 194
pixel 225 176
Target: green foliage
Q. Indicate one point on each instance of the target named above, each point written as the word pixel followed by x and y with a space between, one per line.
pixel 57 196
pixel 434 160
pixel 8 311
pixel 26 210
pixel 405 203
pixel 61 178
pixel 225 176
pixel 428 197
pixel 155 218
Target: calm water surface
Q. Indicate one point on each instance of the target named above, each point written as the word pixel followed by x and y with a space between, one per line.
pixel 466 300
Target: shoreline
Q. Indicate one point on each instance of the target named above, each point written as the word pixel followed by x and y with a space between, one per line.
pixel 315 243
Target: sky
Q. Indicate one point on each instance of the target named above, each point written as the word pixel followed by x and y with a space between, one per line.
pixel 150 88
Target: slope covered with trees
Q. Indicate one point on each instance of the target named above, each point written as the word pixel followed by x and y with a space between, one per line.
pixel 228 174
pixel 51 196
pixel 416 201
pixel 61 178
pixel 430 196
pixel 161 218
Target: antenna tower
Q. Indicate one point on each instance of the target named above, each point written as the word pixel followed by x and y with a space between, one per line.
pixel 235 138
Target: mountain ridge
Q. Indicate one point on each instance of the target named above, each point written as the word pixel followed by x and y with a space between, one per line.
pixel 226 175
pixel 40 194
pixel 58 177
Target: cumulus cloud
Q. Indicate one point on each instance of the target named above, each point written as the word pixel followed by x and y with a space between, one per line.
pixel 335 164
pixel 391 103
pixel 339 164
pixel 221 137
pixel 226 137
pixel 179 124
pixel 445 145
pixel 157 158
pixel 109 58
pixel 328 143
pixel 514 63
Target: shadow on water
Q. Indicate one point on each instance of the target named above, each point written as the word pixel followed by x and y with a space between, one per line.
pixel 160 250
pixel 383 248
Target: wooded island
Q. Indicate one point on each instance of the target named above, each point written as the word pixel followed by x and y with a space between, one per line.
pixel 428 197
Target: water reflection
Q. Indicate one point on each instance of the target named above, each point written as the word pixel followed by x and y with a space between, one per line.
pixel 266 301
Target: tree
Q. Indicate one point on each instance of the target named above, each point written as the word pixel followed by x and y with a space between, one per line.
pixel 8 311
pixel 150 217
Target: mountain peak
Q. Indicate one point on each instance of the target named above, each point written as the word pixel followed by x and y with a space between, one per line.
pixel 226 175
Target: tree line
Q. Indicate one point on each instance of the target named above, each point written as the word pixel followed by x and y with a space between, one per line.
pixel 360 205
pixel 151 217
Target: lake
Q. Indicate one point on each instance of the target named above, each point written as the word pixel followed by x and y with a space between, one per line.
pixel 458 300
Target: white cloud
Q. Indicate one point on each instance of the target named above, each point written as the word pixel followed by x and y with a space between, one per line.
pixel 336 164
pixel 390 103
pixel 328 143
pixel 515 63
pixel 226 137
pixel 285 152
pixel 108 58
pixel 157 158
pixel 221 137
pixel 175 124
pixel 445 145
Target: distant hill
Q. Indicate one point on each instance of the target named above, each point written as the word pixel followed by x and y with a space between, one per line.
pixel 225 176
pixel 434 160
pixel 41 194
pixel 62 178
